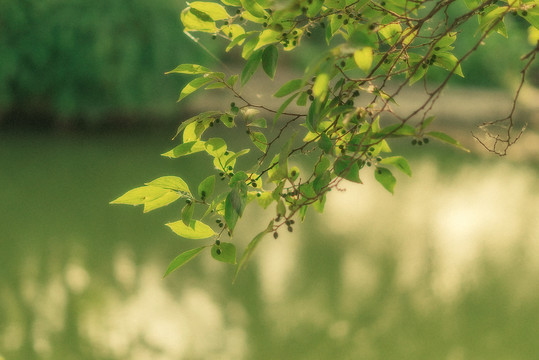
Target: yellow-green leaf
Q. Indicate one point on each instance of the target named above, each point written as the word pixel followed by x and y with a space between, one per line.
pixel 215 11
pixel 195 230
pixel 363 58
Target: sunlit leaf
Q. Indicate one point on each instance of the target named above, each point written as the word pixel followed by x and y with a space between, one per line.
pixel 195 230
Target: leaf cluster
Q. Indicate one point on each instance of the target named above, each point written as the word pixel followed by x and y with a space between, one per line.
pixel 346 99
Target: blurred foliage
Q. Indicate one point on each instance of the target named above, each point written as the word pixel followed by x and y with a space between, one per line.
pixel 74 60
pixel 87 60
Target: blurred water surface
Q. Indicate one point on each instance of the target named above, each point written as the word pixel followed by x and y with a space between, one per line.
pixel 446 268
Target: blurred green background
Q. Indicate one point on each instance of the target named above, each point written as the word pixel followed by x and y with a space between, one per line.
pixel 446 268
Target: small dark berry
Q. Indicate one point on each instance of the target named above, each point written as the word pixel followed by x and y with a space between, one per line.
pixel 372 26
pixel 419 142
pixel 308 33
pixel 309 91
pixel 188 201
pixel 295 32
pixel 292 222
pixel 247 131
pixel 437 48
pixel 217 242
pixel 226 153
pixel 524 13
pixel 258 194
pixel 426 140
pixel 218 221
pixel 379 171
pixel 217 121
pixel 371 149
pixel 214 37
pixel 343 63
pixel 275 235
pixel 414 141
pixel 203 193
pixel 339 16
pixel 211 124
pixel 241 18
pixel 311 97
pixel 290 229
pixel 253 184
pixel 341 146
pixel 322 25
pixel 218 251
pixel 229 167
pixel 293 173
pixel 383 3
pixel 368 163
pixel 225 22
pixel 238 11
pixel 221 224
pixel 355 93
pixel 345 22
pixel 265 24
pixel 424 66
pixel 232 104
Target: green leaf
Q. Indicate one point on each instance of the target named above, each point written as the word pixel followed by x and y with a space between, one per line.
pixel 193 86
pixel 213 10
pixel 363 58
pixel 266 37
pixel 399 162
pixel 187 148
pixel 322 166
pixel 200 117
pixel 227 252
pixel 232 80
pixel 289 87
pixel 151 196
pixel 251 66
pixel 206 187
pixel 254 8
pixel 325 143
pixel 425 123
pixel 195 230
pixel 216 147
pixel 259 140
pixel 170 182
pixel 347 168
pixel 258 122
pixel 449 62
pixel 187 213
pixel 251 247
pixel 320 87
pixel 391 33
pixel 231 215
pixel 189 69
pixel 193 21
pixel 269 60
pixel 183 259
pixel 236 155
pixel 446 138
pixel 386 178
